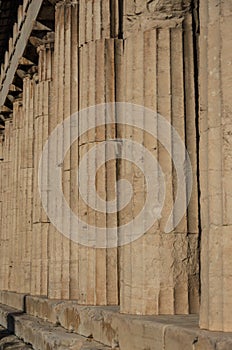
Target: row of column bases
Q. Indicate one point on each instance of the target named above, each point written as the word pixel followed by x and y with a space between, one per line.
pixel 155 68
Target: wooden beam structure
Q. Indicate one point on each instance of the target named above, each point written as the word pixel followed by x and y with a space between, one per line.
pixel 27 26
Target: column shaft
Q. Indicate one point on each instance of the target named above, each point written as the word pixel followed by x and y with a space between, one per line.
pixel 215 165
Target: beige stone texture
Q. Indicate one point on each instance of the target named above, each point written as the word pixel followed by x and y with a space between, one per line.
pixel 6 171
pixel 42 106
pixel 157 54
pixel 141 15
pixel 43 335
pixel 168 285
pixel 12 299
pixel 215 160
pixel 100 284
pixel 76 271
pixel 90 65
pixel 12 342
pixel 67 322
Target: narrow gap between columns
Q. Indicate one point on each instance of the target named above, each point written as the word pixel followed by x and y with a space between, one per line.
pixel 117 174
pixel 120 18
pixel 196 32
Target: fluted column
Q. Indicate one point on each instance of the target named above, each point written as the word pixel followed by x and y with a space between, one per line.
pixel 42 113
pixel 15 264
pixel 159 270
pixel 4 271
pixel 25 181
pixel 6 257
pixel 64 103
pixel 215 165
pixel 83 77
pixel 98 268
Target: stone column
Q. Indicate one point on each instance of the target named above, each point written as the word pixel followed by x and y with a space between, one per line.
pixel 15 191
pixel 1 201
pixel 2 267
pixel 17 277
pixel 97 19
pixel 215 165
pixel 6 201
pixel 98 268
pixel 16 179
pixel 26 185
pixel 83 76
pixel 63 254
pixel 1 206
pixel 159 271
pixel 13 200
pixel 42 113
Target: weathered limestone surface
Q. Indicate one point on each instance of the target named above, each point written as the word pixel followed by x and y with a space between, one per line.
pixel 84 326
pixel 43 335
pixel 140 15
pixel 97 85
pixel 11 342
pixel 94 61
pixel 42 114
pixel 13 299
pixel 215 164
pixel 159 272
pixel 5 171
pixel 146 53
pixel 76 271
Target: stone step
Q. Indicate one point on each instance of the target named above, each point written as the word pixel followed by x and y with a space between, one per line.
pixel 130 332
pixel 106 325
pixel 43 335
pixel 11 342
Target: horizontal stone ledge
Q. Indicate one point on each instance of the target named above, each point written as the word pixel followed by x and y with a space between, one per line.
pixel 11 342
pixel 43 335
pixel 12 299
pixel 107 326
